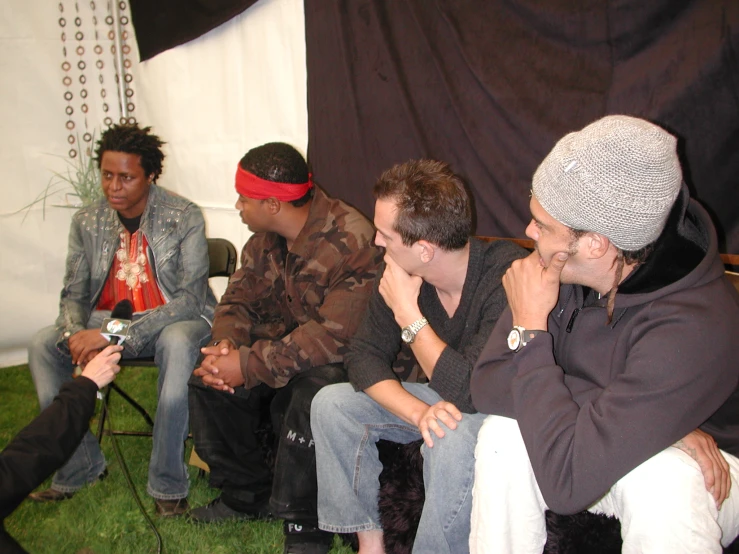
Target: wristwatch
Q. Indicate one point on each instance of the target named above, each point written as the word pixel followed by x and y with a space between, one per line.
pixel 408 334
pixel 520 337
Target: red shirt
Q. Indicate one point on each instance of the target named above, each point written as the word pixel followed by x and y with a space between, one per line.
pixel 131 277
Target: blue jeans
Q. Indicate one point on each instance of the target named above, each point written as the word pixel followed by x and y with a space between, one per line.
pixel 176 351
pixel 346 427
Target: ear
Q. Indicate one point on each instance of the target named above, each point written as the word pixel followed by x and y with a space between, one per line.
pixel 597 245
pixel 428 251
pixel 150 177
pixel 273 205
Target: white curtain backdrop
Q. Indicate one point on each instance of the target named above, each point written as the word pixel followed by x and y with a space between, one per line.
pixel 211 100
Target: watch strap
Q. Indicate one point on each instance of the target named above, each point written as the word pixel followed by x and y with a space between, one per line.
pixel 528 334
pixel 417 325
pixel 523 335
pixel 408 333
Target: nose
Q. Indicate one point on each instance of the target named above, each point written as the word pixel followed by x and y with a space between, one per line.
pixel 115 183
pixel 379 240
pixel 532 231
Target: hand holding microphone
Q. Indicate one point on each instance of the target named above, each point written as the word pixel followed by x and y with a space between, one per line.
pixel 114 330
pixel 103 368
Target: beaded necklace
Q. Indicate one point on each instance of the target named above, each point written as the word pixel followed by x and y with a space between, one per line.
pixel 132 260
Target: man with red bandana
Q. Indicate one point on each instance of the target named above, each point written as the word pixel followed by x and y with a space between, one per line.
pixel 280 334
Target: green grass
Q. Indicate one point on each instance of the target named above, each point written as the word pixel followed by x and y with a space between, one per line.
pixel 104 518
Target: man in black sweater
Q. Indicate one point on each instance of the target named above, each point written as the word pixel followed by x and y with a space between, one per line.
pixel 434 306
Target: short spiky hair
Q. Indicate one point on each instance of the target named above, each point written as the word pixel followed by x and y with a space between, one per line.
pixel 132 139
pixel 278 162
pixel 432 203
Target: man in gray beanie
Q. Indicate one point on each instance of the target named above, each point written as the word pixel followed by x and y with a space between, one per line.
pixel 612 376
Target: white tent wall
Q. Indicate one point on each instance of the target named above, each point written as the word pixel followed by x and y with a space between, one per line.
pixel 212 99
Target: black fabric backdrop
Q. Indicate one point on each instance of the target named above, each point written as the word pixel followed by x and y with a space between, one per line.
pixel 164 24
pixel 491 85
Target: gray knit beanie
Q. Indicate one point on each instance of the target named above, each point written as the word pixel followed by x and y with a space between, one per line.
pixel 619 177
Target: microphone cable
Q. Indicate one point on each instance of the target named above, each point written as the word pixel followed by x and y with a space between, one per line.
pixel 129 481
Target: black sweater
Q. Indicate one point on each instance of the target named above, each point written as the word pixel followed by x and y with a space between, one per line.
pixel 375 347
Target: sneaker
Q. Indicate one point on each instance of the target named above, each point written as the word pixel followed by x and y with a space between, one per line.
pixel 53 495
pixel 217 511
pixel 304 538
pixel 171 508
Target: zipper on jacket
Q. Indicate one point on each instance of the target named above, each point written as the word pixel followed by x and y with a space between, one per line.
pixel 572 320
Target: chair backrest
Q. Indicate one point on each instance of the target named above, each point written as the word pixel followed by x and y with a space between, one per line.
pixel 222 256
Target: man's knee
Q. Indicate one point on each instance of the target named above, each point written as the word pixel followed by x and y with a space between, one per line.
pixel 43 341
pixel 653 483
pixel 458 443
pixel 663 505
pixel 500 430
pixel 500 439
pixel 182 337
pixel 330 400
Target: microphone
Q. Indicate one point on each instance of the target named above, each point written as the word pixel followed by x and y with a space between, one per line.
pixel 115 327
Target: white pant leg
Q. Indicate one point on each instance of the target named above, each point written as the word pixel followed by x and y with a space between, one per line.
pixel 664 507
pixel 507 507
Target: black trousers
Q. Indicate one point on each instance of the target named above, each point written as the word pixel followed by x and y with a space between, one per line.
pixel 258 443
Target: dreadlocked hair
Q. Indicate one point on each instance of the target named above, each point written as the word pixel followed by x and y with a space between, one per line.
pixel 129 138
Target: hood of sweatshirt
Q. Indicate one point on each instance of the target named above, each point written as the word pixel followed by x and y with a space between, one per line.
pixel 685 256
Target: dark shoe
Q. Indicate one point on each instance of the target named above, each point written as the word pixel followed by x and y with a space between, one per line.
pixel 50 495
pixel 171 508
pixel 304 538
pixel 53 495
pixel 306 548
pixel 217 511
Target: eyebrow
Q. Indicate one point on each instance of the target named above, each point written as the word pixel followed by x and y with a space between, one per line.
pixel 385 235
pixel 124 173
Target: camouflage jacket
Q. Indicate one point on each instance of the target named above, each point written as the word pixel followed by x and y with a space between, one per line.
pixel 288 311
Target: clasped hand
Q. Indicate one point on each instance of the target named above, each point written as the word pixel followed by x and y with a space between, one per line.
pixel 221 367
pixel 85 345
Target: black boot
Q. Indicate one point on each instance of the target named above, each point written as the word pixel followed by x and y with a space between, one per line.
pixel 306 538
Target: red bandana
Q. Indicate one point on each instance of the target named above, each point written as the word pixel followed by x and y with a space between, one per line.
pixel 251 186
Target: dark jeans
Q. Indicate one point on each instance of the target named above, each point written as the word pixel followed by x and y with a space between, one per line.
pixel 232 434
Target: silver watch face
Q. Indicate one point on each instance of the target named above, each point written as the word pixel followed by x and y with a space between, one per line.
pixel 514 339
pixel 407 335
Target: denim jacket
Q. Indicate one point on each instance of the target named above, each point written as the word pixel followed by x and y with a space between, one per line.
pixel 178 252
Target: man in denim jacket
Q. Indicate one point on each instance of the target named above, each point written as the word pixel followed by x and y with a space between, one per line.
pixel 146 245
